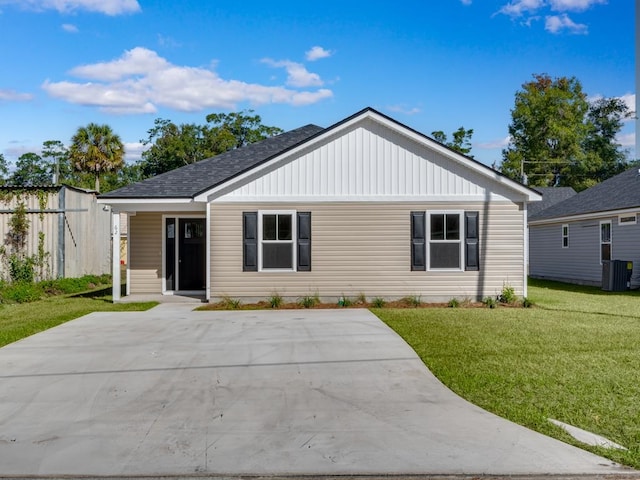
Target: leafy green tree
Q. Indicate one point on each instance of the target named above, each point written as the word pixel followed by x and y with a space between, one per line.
pixel 128 174
pixel 58 156
pixel 559 138
pixel 461 141
pixel 4 170
pixel 172 146
pixel 243 127
pixel 96 149
pixel 31 170
pixel 605 120
pixel 547 132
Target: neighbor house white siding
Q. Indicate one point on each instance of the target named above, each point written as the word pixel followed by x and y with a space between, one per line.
pixel 580 262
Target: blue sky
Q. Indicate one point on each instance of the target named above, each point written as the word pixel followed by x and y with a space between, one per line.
pixel 432 65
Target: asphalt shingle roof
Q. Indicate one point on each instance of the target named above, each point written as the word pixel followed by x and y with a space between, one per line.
pixel 616 193
pixel 195 178
pixel 550 196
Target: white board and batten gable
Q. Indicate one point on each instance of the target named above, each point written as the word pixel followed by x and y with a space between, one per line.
pixel 370 158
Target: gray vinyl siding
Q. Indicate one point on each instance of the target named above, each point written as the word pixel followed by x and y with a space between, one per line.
pixel 365 248
pixel 580 262
pixel 145 249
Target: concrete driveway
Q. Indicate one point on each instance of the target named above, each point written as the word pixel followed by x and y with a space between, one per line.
pixel 176 392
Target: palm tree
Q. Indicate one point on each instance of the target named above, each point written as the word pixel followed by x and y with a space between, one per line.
pixel 96 149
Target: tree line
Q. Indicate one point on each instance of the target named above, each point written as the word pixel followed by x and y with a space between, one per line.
pixel 557 137
pixel 95 156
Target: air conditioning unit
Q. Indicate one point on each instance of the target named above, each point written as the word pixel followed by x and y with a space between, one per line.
pixel 616 275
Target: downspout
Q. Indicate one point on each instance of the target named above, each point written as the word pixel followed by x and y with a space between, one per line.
pixel 61 233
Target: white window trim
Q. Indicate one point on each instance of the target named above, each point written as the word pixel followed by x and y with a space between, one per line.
pixel 293 241
pixel 461 239
pixel 625 224
pixel 565 225
pixel 610 242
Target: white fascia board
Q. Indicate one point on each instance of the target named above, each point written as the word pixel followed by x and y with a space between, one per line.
pixel 585 216
pixel 151 205
pixel 362 198
pixel 115 201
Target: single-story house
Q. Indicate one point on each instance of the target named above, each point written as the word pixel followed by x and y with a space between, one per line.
pixel 569 241
pixel 366 206
pixel 66 226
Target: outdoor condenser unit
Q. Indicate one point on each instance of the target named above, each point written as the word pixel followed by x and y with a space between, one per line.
pixel 616 275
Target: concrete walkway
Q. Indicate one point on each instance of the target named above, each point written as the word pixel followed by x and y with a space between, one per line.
pixel 176 392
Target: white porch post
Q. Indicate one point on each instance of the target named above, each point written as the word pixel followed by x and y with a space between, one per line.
pixel 115 254
pixel 207 237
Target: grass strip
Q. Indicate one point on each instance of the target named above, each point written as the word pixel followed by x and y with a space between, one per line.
pixel 575 358
pixel 18 321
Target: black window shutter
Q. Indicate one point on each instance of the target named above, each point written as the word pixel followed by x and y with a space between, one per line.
pixel 304 241
pixel 250 241
pixel 418 244
pixel 471 242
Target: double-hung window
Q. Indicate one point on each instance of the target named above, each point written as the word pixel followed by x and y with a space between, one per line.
pixel 605 241
pixel 444 240
pixel 276 241
pixel 565 236
pixel 276 234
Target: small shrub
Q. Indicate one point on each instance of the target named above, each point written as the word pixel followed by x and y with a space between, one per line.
pixel 508 294
pixel 361 299
pixel 309 301
pixel 490 302
pixel 275 300
pixel 344 301
pixel 412 301
pixel 526 303
pixel 21 269
pixel 453 303
pixel 230 303
pixel 22 292
pixel 378 302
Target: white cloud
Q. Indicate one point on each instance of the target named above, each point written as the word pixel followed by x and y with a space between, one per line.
pixel 316 53
pixel 517 8
pixel 140 81
pixel 574 5
pixel 67 27
pixel 627 139
pixel 297 74
pixel 133 150
pixel 558 23
pixel 13 96
pixel 108 7
pixel 630 101
pixel 403 109
pixel 502 143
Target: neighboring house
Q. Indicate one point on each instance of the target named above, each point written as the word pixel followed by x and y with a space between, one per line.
pixel 570 240
pixel 65 223
pixel 550 196
pixel 366 206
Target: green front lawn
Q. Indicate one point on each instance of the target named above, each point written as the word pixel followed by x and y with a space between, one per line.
pixel 19 320
pixel 575 357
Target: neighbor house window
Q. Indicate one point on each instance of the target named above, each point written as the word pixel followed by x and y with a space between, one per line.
pixel 627 219
pixel 276 234
pixel 565 236
pixel 445 246
pixel 605 241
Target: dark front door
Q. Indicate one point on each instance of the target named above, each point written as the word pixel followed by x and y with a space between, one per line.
pixel 191 254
